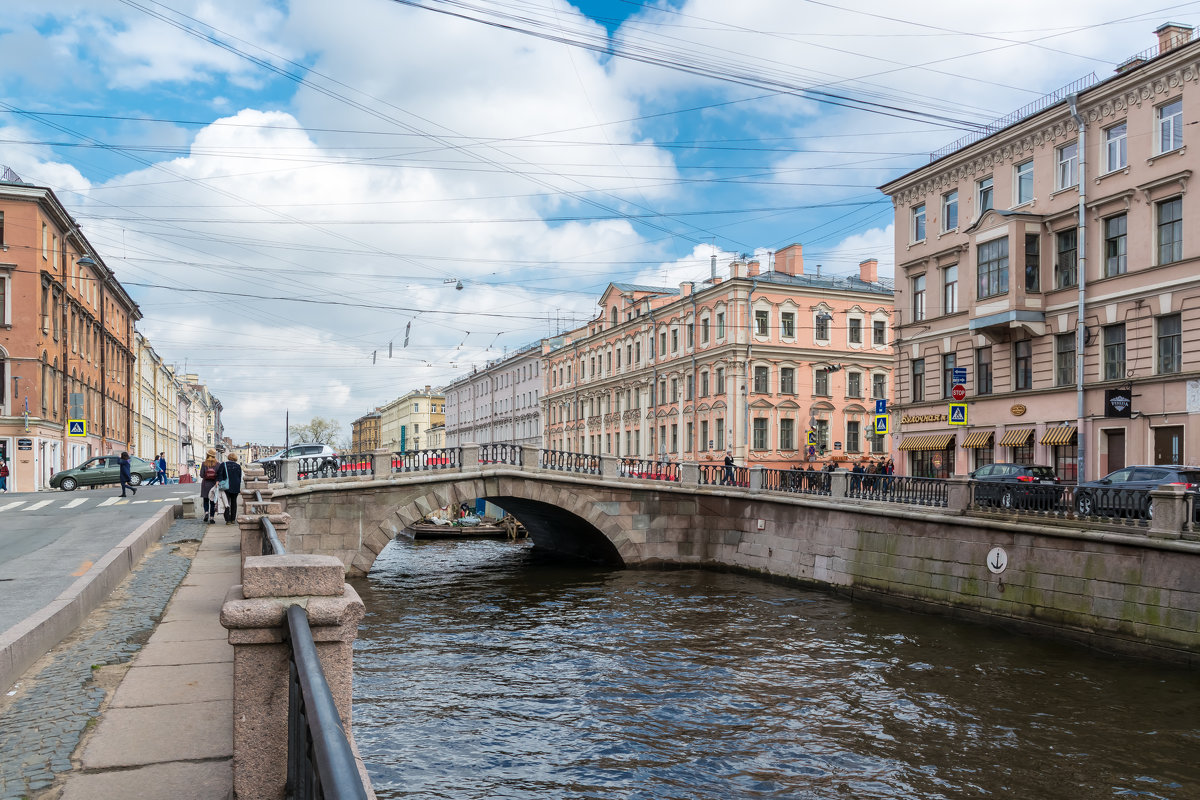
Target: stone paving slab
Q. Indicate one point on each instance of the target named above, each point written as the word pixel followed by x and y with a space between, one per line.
pixel 131 737
pixel 189 630
pixel 207 651
pixel 183 683
pixel 194 603
pixel 211 780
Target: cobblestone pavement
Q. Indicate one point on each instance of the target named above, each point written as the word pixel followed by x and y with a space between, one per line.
pixel 58 699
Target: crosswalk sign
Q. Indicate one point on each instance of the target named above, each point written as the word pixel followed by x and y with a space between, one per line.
pixel 958 413
pixel 881 424
pixel 812 437
pixel 77 427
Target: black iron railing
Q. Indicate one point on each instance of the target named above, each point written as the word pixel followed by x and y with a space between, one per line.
pixel 899 489
pixel 1042 499
pixel 271 546
pixel 797 481
pixel 355 464
pixel 1112 504
pixel 721 475
pixel 500 453
pixel 273 471
pixel 569 462
pixel 425 460
pixel 310 467
pixel 649 470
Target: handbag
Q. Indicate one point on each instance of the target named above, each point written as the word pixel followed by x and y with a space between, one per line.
pixel 223 484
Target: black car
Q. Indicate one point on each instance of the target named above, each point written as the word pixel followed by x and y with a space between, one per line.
pixel 1016 486
pixel 1126 492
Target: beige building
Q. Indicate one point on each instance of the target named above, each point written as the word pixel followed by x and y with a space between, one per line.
pixel 364 433
pixel 499 403
pixel 405 422
pixel 156 407
pixel 1054 262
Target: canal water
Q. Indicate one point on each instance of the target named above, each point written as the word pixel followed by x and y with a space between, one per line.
pixel 483 670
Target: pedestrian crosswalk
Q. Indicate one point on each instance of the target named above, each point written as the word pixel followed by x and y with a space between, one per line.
pixel 78 503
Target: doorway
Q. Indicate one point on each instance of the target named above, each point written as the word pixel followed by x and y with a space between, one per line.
pixel 1115 443
pixel 1168 445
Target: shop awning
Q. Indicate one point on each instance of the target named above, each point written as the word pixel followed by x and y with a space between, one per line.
pixel 977 439
pixel 1063 434
pixel 1017 438
pixel 927 441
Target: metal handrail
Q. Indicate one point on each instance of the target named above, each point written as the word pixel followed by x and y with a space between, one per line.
pixel 271 544
pixel 320 760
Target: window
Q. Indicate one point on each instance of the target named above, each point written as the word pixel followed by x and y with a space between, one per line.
pixel 821 330
pixel 704 384
pixel 918 284
pixel 761 321
pixel 1067 160
pixel 983 193
pixel 1114 352
pixel 879 331
pixel 787 324
pixel 760 433
pixel 854 384
pixel 703 435
pixel 1 228
pixel 918 380
pixel 950 210
pixel 721 380
pixel 721 325
pixel 4 314
pixel 637 352
pixel 787 380
pixel 1033 263
pixel 852 437
pixel 787 434
pixel 662 344
pixel 950 289
pixel 855 331
pixel 821 382
pixel 821 428
pixel 1023 182
pixel 879 386
pixel 992 268
pixel 1170 230
pixel 1115 246
pixel 1066 258
pixel 1170 126
pixel 1114 148
pixel 918 223
pixel 674 340
pixel 760 379
pixel 983 370
pixel 675 437
pixel 1023 365
pixel 1064 359
pixel 1170 344
pixel 704 330
pixel 719 430
pixel 674 390
pixel 948 364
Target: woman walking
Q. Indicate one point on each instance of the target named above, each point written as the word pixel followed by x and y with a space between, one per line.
pixel 126 474
pixel 229 481
pixel 208 482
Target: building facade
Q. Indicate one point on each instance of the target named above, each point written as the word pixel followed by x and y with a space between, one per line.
pixel 1052 261
pixel 364 433
pixel 66 341
pixel 404 423
pixel 750 364
pixel 499 403
pixel 156 407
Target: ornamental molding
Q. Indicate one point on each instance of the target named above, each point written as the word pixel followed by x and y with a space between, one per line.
pixel 1055 132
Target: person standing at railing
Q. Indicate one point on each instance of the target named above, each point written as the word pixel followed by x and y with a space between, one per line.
pixel 727 478
pixel 229 481
pixel 208 485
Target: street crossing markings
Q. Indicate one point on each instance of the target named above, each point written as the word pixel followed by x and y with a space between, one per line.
pixel 135 502
pixel 109 501
pixel 13 504
pixel 37 505
pixel 119 502
pixel 78 502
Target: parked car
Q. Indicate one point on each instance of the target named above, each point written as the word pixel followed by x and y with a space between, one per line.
pixel 319 459
pixel 1017 486
pixel 101 470
pixel 1126 492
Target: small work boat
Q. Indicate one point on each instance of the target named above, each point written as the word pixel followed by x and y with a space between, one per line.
pixel 470 527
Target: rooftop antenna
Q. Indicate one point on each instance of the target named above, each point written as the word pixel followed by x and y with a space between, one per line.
pixel 712 278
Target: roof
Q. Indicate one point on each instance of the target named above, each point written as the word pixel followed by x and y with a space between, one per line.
pixel 843 282
pixel 634 287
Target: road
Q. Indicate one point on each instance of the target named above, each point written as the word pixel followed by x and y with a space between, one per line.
pixel 49 539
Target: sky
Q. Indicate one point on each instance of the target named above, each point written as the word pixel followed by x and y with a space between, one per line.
pixel 292 191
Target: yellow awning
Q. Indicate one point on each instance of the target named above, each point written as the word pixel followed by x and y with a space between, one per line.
pixel 1063 434
pixel 977 439
pixel 1017 438
pixel 927 441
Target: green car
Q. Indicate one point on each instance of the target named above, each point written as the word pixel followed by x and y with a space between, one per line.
pixel 100 470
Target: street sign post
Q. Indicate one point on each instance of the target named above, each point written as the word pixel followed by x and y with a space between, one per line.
pixel 77 427
pixel 881 406
pixel 812 438
pixel 958 374
pixel 958 392
pixel 958 413
pixel 881 424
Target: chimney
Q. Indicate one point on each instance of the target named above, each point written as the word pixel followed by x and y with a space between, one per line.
pixel 685 289
pixel 868 271
pixel 790 260
pixel 1172 35
pixel 737 269
pixel 752 268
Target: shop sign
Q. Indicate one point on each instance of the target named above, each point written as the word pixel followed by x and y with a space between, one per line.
pixel 916 418
pixel 1018 410
pixel 1118 403
pixel 24 444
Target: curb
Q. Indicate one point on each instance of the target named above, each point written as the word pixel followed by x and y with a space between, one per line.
pixel 33 637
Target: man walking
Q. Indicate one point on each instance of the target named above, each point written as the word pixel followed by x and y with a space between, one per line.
pixel 126 474
pixel 160 468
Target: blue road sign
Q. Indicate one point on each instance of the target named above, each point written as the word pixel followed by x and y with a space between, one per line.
pixel 959 374
pixel 881 406
pixel 958 413
pixel 77 427
pixel 881 424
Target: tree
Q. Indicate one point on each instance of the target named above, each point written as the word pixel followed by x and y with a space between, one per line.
pixel 318 430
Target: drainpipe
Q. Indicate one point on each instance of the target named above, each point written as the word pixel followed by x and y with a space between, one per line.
pixel 1081 277
pixel 746 386
pixel 695 380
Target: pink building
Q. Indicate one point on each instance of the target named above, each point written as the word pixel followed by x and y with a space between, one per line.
pixel 1052 261
pixel 752 364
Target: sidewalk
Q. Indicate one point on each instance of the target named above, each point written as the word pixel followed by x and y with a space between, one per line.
pixel 168 731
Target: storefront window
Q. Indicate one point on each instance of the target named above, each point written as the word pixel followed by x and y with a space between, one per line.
pixel 1023 454
pixel 984 456
pixel 932 463
pixel 1066 465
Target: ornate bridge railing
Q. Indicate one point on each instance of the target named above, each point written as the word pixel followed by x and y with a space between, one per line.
pixel 898 489
pixel 500 453
pixel 422 460
pixel 797 481
pixel 565 461
pixel 721 475
pixel 355 464
pixel 649 470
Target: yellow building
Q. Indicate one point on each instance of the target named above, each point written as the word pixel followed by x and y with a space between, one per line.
pixel 405 423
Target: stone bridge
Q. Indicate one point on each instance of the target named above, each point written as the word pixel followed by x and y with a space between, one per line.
pixel 1116 587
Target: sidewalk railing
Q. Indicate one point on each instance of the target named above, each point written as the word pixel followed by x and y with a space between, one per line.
pixel 797 481
pixel 721 475
pixel 500 453
pixel 355 464
pixel 424 460
pixel 565 461
pixel 898 489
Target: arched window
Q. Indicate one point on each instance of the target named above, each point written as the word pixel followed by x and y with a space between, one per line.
pixel 614 316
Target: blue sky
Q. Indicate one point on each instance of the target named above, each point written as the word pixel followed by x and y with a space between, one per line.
pixel 228 158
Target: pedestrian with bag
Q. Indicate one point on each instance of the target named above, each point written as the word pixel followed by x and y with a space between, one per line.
pixel 160 469
pixel 229 481
pixel 208 485
pixel 126 474
pixel 3 474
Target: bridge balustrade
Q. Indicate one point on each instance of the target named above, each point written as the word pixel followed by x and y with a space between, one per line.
pixel 1110 505
pixel 310 467
pixel 356 464
pixel 500 453
pixel 720 475
pixel 649 470
pixel 797 481
pixel 898 489
pixel 424 460
pixel 565 461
